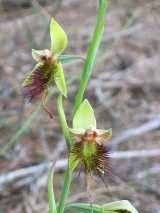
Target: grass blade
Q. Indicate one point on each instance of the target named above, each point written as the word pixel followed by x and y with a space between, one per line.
pixel 51 199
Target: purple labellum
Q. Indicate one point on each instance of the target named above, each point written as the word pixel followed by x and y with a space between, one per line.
pixel 40 80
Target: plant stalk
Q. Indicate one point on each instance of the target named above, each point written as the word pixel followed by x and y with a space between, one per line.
pixel 91 53
pixel 63 121
pixel 65 190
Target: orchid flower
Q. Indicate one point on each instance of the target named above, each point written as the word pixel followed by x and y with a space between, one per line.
pixel 48 68
pixel 88 142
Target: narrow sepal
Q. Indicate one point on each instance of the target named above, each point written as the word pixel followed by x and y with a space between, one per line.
pixel 103 135
pixel 73 162
pixel 60 80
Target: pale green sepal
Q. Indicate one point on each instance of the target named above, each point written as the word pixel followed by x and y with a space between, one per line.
pixel 84 117
pixel 76 134
pixel 60 80
pixel 69 58
pixel 103 135
pixel 73 162
pixel 51 199
pixel 59 38
pixel 37 54
pixel 119 206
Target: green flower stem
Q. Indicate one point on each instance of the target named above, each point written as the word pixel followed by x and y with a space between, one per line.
pixel 65 190
pixel 91 53
pixel 63 121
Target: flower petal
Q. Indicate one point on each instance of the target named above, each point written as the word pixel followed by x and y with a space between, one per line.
pixel 60 80
pixel 84 117
pixel 59 38
pixel 39 54
pixel 76 134
pixel 73 162
pixel 103 135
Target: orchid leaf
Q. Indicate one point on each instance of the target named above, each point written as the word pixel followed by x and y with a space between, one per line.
pixel 84 117
pixel 59 40
pixel 60 80
pixel 83 207
pixel 114 207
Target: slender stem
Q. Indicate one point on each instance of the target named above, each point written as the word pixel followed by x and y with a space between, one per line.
pixel 65 190
pixel 91 53
pixel 63 121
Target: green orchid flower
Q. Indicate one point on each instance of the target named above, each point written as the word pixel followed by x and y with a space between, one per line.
pixel 48 68
pixel 88 142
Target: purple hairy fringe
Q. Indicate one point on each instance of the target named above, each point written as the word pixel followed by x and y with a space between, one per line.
pixel 99 162
pixel 40 80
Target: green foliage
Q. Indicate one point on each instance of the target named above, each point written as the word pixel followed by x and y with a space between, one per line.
pixel 91 53
pixel 122 206
pixel 63 122
pixel 51 199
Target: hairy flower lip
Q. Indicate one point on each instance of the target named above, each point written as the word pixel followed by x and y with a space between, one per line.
pixel 97 162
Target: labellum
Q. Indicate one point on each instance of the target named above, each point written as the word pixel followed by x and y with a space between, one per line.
pixel 93 156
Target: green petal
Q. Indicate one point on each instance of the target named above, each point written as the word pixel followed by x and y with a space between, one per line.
pixel 37 54
pixel 103 135
pixel 59 38
pixel 84 117
pixel 73 162
pixel 119 206
pixel 76 134
pixel 60 80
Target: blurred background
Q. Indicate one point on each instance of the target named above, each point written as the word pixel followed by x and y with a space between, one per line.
pixel 124 91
